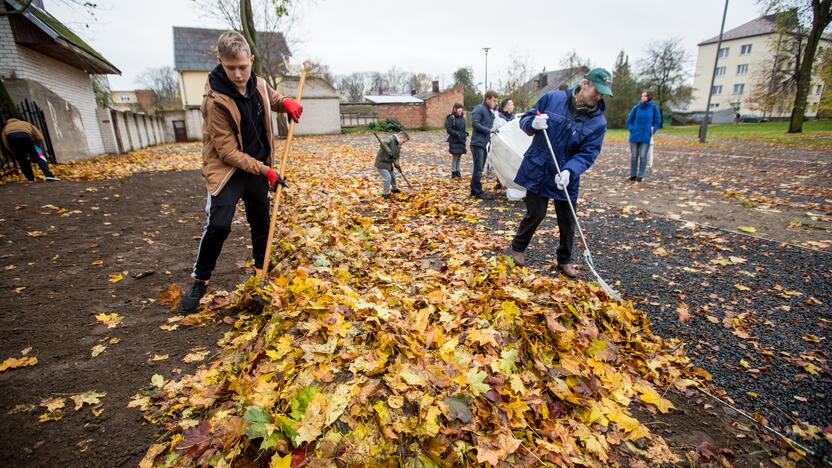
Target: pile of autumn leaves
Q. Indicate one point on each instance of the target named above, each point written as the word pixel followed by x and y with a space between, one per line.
pixel 389 335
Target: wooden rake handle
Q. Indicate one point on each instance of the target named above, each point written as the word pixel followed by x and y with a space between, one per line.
pixel 279 194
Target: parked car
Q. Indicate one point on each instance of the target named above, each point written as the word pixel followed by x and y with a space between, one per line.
pixel 752 119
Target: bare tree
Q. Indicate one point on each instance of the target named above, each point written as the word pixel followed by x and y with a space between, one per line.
pixel 518 86
pixel 664 70
pixel 164 84
pixel 421 82
pixel 396 80
pixel 262 16
pixel 571 59
pixel 318 70
pixel 776 82
pixel 812 19
pixel 353 87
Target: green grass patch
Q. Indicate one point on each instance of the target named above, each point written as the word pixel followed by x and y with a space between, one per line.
pixel 816 133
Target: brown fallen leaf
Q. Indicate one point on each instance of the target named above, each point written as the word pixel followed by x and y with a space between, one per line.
pixel 171 296
pixel 684 312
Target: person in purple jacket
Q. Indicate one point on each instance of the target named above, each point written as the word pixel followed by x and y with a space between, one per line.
pixel 643 122
pixel 574 120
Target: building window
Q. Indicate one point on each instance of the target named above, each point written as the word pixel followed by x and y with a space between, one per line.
pixel 716 90
pixel 720 71
pixel 742 69
pixel 745 49
pixel 714 106
pixel 739 88
pixel 124 98
pixel 736 106
pixel 723 52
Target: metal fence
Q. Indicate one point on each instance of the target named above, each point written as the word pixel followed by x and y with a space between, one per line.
pixel 30 112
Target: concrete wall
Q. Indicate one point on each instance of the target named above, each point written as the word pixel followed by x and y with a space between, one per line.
pixel 192 87
pixel 761 56
pixel 67 97
pixel 320 116
pixel 412 116
pixel 127 131
pixel 439 106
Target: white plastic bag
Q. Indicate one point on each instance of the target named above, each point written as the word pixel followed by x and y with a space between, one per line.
pixel 507 149
pixel 650 154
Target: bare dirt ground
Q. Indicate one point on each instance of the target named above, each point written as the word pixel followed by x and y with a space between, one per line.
pixel 64 242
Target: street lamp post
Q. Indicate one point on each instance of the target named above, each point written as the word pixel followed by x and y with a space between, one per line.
pixel 486 49
pixel 703 129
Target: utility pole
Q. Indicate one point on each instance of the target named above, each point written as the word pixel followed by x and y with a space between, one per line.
pixel 486 49
pixel 703 129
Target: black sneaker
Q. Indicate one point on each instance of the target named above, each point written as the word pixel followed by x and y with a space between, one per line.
pixel 52 179
pixel 632 178
pixel 396 190
pixel 385 196
pixel 639 179
pixel 190 302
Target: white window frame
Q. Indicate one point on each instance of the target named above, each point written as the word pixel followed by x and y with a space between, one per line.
pixel 742 69
pixel 720 71
pixel 716 90
pixel 745 49
pixel 741 88
pixel 720 53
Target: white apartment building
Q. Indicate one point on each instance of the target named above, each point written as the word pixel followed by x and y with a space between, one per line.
pixel 746 52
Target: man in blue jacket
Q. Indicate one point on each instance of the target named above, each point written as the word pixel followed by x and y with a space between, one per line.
pixel 574 120
pixel 482 119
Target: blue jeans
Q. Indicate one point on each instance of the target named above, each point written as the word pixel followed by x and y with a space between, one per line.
pixel 478 155
pixel 638 158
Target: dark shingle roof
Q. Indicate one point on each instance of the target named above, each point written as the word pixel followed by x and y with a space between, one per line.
pixel 193 48
pixel 756 27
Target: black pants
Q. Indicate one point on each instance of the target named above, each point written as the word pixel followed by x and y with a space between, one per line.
pixel 536 207
pixel 254 190
pixel 23 147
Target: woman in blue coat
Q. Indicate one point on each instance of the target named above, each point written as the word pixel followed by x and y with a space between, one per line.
pixel 643 121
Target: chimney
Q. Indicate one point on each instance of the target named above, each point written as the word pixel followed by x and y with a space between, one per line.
pixel 435 86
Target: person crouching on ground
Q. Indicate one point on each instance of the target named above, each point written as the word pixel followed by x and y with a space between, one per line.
pixel 237 156
pixel 387 158
pixel 455 125
pixel 482 119
pixel 20 137
pixel 643 122
pixel 575 123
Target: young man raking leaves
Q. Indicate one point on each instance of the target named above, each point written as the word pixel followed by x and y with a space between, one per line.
pixel 237 156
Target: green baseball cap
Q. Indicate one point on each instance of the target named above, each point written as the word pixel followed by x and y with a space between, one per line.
pixel 602 79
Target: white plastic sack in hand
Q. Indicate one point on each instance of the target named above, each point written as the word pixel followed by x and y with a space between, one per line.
pixel 650 154
pixel 507 149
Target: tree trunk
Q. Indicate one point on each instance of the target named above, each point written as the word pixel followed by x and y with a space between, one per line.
pixel 250 33
pixel 822 10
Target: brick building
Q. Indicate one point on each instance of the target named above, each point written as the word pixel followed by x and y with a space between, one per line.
pixel 43 61
pixel 420 111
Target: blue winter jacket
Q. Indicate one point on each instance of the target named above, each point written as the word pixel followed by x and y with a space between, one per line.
pixel 576 140
pixel 642 118
pixel 482 119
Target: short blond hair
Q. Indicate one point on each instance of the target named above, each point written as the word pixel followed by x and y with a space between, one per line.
pixel 232 44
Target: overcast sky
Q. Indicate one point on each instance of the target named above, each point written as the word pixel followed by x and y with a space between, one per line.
pixel 431 36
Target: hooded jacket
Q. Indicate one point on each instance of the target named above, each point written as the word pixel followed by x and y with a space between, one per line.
pixel 230 132
pixel 457 133
pixel 644 120
pixel 576 139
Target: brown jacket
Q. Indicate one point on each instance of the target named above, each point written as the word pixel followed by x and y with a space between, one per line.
pixel 222 140
pixel 14 126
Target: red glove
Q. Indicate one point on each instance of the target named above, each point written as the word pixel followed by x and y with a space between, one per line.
pixel 293 108
pixel 275 179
